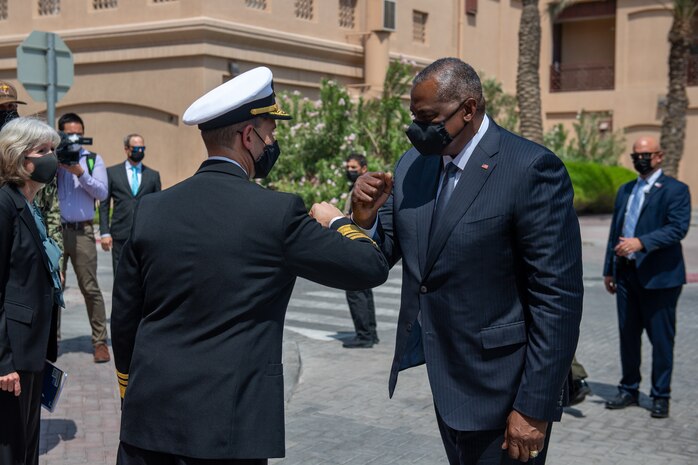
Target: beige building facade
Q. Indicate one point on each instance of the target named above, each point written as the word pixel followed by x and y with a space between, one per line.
pixel 140 63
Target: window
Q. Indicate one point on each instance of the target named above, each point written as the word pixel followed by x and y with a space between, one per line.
pixel 3 9
pixel 49 7
pixel 304 9
pixel 471 7
pixel 347 9
pixel 419 26
pixel 256 4
pixel 104 4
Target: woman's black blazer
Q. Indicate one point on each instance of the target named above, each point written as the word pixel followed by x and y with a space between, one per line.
pixel 27 310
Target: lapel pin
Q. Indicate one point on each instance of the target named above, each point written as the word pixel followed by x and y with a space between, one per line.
pixel 485 166
pixel 657 185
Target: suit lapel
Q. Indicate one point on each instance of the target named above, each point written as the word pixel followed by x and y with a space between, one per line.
pixel 28 219
pixel 652 193
pixel 476 172
pixel 624 206
pixel 428 186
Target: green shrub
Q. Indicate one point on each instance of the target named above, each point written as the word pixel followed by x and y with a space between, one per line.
pixel 595 185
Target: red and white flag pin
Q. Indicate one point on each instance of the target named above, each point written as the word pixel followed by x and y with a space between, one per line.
pixel 485 166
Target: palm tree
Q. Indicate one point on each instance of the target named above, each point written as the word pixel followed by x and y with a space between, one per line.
pixel 674 121
pixel 527 74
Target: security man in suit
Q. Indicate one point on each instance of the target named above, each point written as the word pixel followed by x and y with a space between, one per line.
pixel 128 182
pixel 644 268
pixel 202 288
pixel 492 271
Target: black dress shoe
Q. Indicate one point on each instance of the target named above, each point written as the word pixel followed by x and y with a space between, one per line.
pixel 357 343
pixel 623 399
pixel 375 339
pixel 660 408
pixel 578 391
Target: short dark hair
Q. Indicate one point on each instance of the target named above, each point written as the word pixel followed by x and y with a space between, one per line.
pixel 456 81
pixel 127 139
pixel 69 118
pixel 360 158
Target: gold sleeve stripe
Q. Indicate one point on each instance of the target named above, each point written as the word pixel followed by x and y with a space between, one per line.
pixel 352 231
pixel 123 382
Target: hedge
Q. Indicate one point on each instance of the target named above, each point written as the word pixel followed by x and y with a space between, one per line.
pixel 595 186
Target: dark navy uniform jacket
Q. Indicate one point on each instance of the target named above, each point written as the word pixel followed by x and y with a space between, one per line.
pixel 198 310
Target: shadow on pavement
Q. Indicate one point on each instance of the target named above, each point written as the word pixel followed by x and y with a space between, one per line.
pixel 76 344
pixel 55 430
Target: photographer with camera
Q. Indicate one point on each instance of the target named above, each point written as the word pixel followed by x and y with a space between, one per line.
pixel 82 180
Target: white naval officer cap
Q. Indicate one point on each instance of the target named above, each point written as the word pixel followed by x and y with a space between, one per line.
pixel 240 99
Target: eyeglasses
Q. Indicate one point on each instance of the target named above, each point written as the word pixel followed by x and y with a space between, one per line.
pixel 642 155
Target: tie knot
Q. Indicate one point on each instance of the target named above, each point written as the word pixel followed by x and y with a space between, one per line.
pixel 451 169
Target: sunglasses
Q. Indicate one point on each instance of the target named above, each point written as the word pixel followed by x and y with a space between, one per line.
pixel 642 155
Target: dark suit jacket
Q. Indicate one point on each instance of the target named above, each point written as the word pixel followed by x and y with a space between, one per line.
pixel 199 304
pixel 119 190
pixel 27 313
pixel 663 222
pixel 498 284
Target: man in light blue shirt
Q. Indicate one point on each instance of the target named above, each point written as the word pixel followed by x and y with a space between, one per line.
pixel 80 185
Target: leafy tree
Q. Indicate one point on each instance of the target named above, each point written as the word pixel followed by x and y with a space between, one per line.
pixel 500 105
pixel 322 133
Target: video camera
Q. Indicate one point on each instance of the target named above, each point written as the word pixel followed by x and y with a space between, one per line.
pixel 68 150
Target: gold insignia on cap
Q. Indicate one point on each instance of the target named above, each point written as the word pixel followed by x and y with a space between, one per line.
pixel 271 109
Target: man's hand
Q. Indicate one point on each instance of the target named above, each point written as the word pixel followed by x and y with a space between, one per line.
pixel 324 213
pixel 628 245
pixel 75 169
pixel 106 243
pixel 10 383
pixel 610 284
pixel 523 435
pixel 370 192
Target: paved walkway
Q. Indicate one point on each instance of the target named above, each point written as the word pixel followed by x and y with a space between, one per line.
pixel 338 411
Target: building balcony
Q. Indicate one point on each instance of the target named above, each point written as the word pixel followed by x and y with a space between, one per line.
pixel 574 78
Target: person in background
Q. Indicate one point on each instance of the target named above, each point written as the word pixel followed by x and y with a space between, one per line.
pixel 30 288
pixel 127 183
pixel 644 268
pixel 47 198
pixel 79 187
pixel 361 305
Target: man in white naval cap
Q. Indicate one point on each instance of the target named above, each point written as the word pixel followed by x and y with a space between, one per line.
pixel 202 288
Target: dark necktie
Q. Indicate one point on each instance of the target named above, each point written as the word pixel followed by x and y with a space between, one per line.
pixel 448 183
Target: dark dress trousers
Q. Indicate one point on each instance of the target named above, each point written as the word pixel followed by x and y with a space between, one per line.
pixel 648 287
pixel 198 309
pixel 497 285
pixel 27 326
pixel 119 193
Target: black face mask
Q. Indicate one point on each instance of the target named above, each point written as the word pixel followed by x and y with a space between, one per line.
pixel 45 168
pixel 264 164
pixel 432 138
pixel 643 165
pixel 352 176
pixel 6 116
pixel 137 154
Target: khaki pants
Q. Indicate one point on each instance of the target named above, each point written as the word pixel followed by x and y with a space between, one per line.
pixel 79 247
